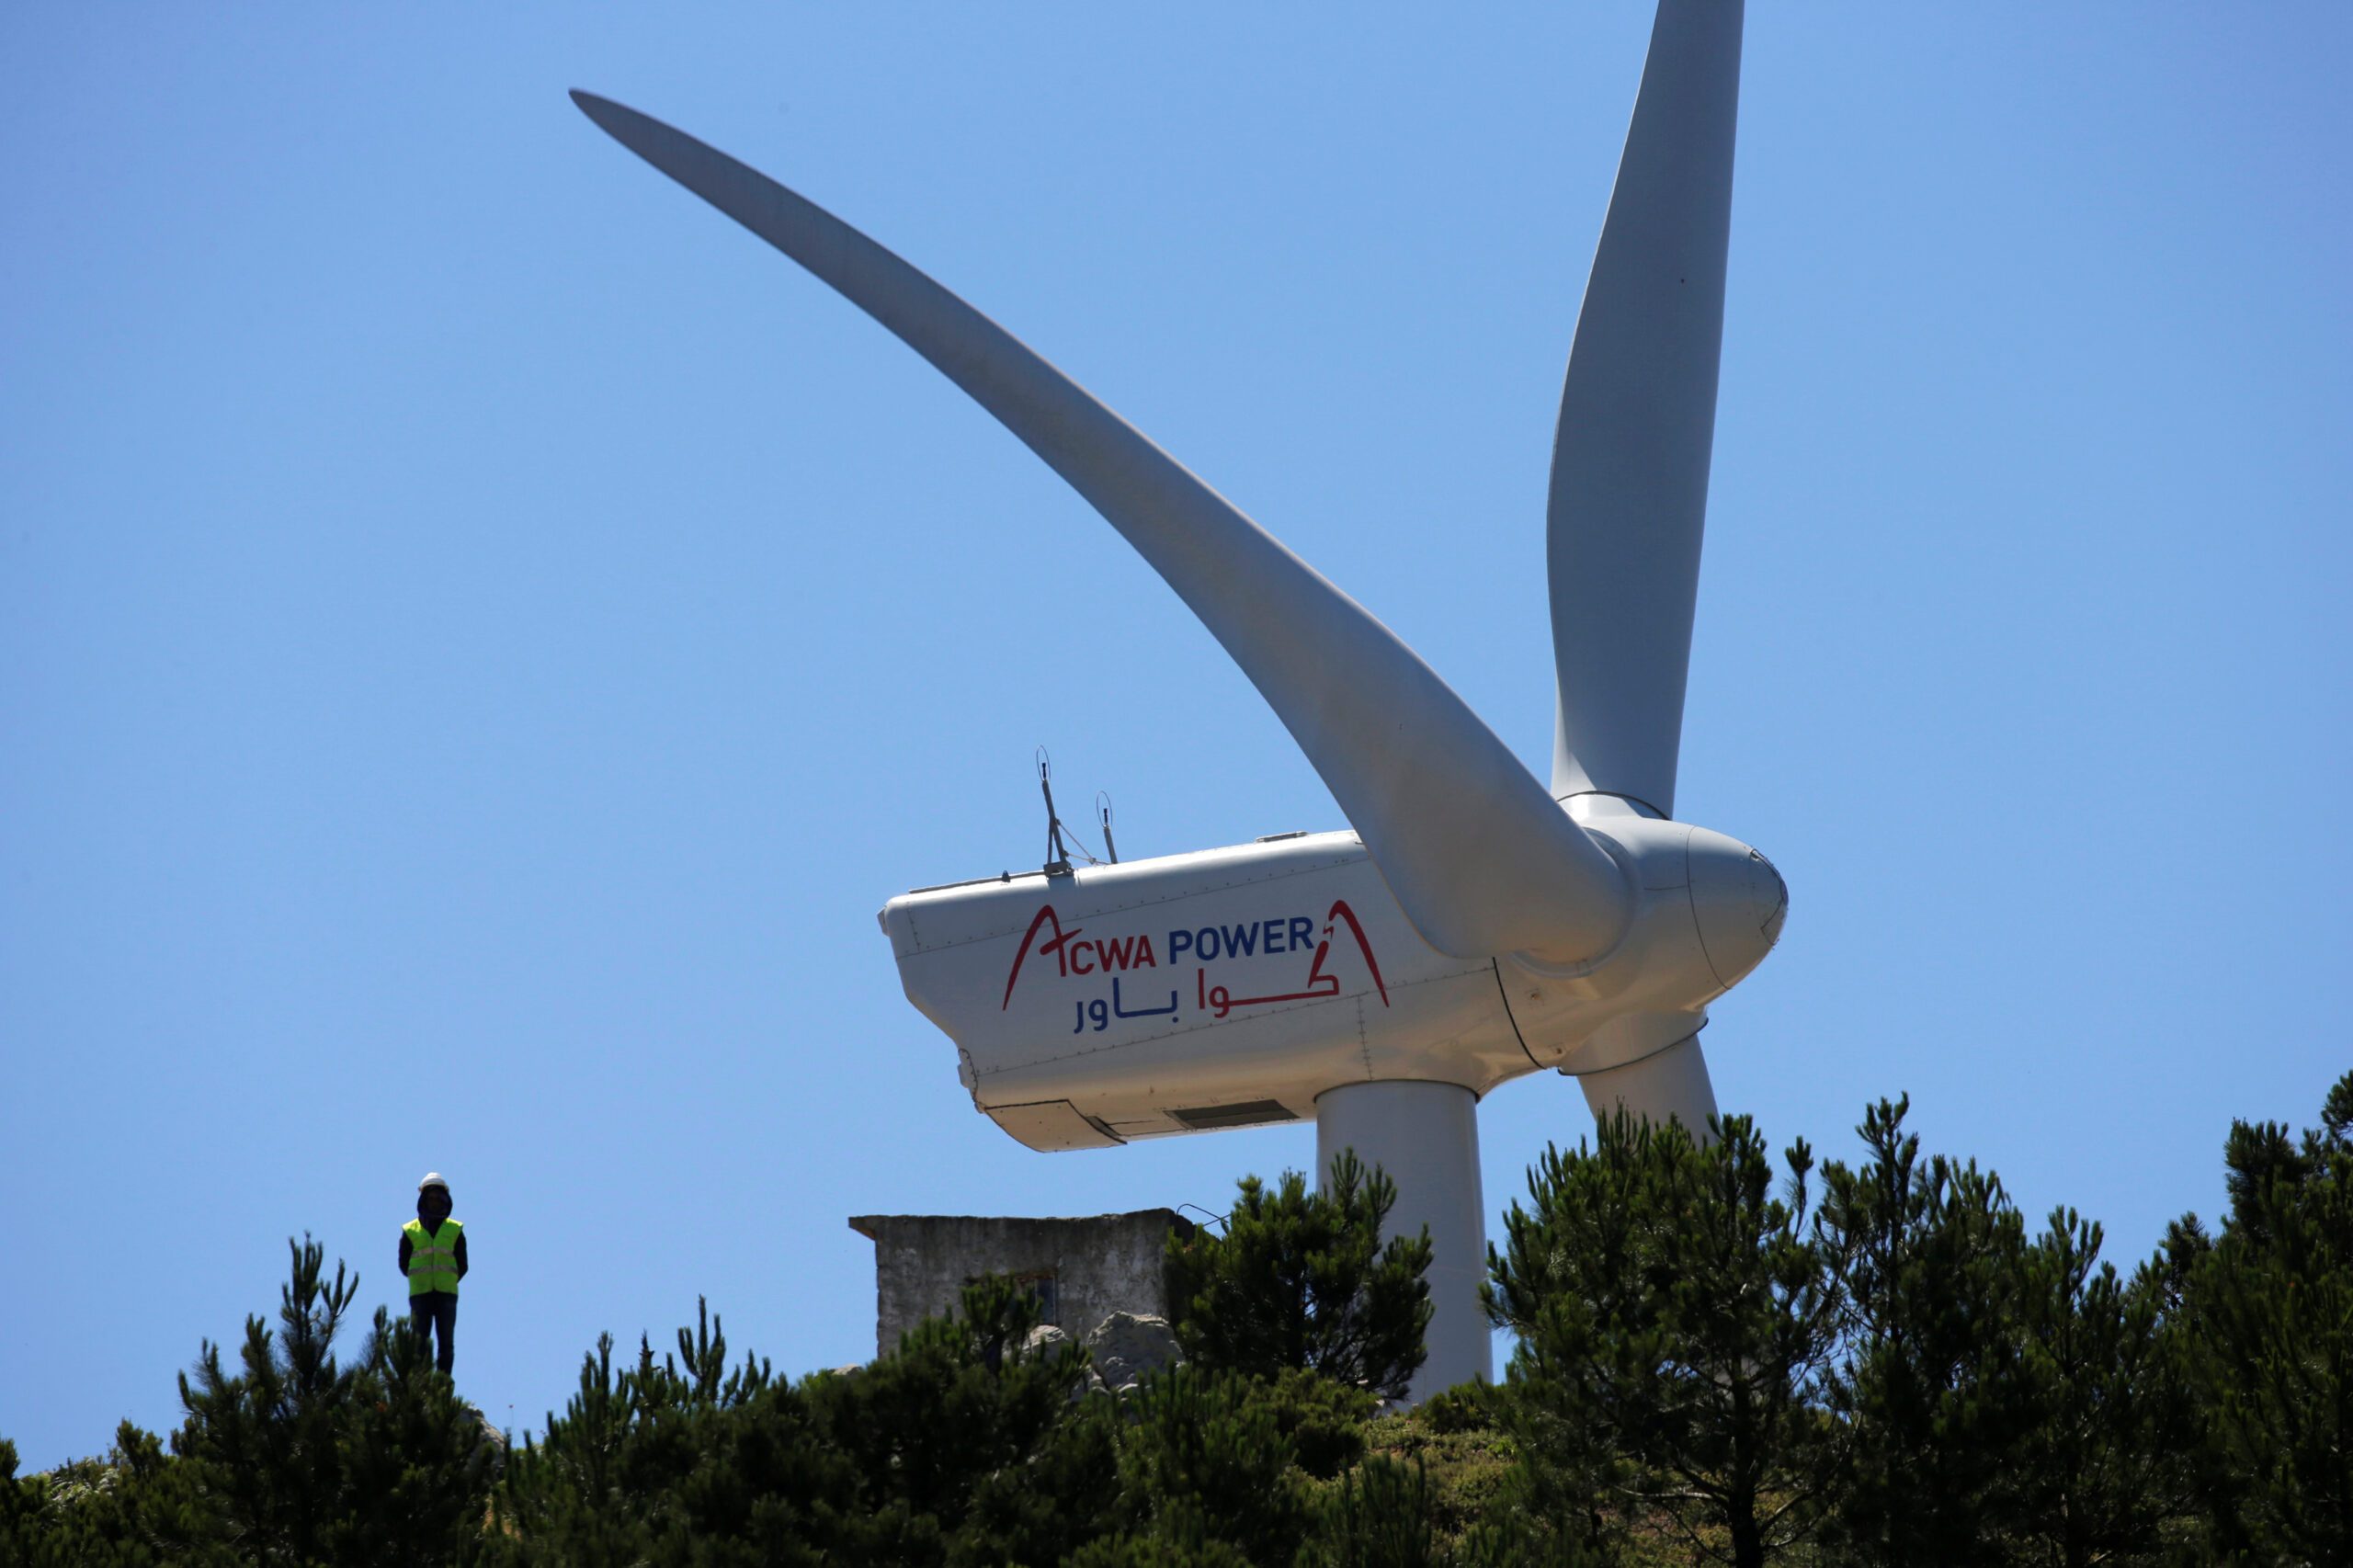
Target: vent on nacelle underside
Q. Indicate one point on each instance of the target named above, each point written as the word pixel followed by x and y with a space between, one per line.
pixel 1247 1114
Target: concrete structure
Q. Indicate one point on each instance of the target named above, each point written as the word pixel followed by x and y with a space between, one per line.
pixel 1082 1270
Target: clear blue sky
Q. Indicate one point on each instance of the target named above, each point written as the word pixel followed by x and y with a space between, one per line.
pixel 479 636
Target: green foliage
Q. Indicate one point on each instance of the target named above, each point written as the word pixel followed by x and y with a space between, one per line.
pixel 2268 1312
pixel 1322 1421
pixel 293 1457
pixel 138 1506
pixel 674 1461
pixel 1467 1459
pixel 1677 1324
pixel 1203 1460
pixel 1156 1552
pixel 304 1460
pixel 1933 1400
pixel 23 1507
pixel 1381 1517
pixel 1303 1280
pixel 1442 1479
pixel 2099 1470
pixel 1713 1365
pixel 959 1447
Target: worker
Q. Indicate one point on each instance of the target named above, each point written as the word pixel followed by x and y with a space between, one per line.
pixel 432 1257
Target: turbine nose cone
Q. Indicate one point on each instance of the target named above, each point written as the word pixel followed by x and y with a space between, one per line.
pixel 1771 891
pixel 1739 901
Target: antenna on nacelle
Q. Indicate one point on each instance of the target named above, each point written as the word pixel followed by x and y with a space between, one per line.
pixel 1057 857
pixel 1103 814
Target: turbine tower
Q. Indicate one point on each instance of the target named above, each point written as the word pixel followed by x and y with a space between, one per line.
pixel 1475 926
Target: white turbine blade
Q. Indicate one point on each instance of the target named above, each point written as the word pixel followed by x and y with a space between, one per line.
pixel 1672 1084
pixel 1478 854
pixel 1638 417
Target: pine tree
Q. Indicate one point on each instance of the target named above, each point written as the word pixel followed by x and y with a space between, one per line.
pixel 24 1522
pixel 675 1460
pixel 2269 1313
pixel 1380 1516
pixel 1302 1279
pixel 1933 1398
pixel 1675 1322
pixel 304 1460
pixel 1385 1516
pixel 295 1458
pixel 1203 1461
pixel 138 1507
pixel 2101 1467
pixel 928 1429
pixel 961 1446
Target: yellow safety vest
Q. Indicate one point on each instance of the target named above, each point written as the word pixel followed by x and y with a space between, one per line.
pixel 432 1260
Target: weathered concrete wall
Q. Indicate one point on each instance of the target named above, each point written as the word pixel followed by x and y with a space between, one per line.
pixel 1110 1263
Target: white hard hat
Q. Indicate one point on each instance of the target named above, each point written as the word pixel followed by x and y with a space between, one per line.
pixel 433 1179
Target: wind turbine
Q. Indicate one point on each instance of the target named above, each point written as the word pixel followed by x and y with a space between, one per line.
pixel 1475 926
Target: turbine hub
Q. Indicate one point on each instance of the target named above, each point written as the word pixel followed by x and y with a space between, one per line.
pixel 1738 902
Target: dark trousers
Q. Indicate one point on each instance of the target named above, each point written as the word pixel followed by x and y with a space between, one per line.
pixel 436 1312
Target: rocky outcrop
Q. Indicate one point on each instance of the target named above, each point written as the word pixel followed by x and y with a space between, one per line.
pixel 1042 1340
pixel 1125 1348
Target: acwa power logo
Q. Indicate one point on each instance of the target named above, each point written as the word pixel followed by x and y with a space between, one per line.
pixel 1143 974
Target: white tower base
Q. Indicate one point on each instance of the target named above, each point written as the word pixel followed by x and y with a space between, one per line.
pixel 1425 1136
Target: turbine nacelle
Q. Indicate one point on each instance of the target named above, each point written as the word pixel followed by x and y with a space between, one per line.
pixel 1227 987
